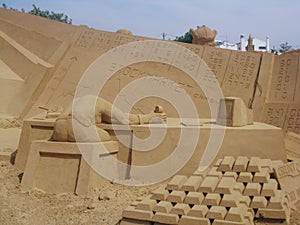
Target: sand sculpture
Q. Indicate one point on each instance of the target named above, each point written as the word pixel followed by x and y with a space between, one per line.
pixel 266 80
pixel 292 142
pixel 236 114
pixel 203 36
pixel 124 31
pixel 104 113
pixel 46 74
pixel 233 191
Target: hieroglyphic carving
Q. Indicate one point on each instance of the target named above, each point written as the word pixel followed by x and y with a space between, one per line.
pixel 274 114
pixel 85 39
pixel 292 121
pixel 283 84
pixel 288 177
pixel 217 60
pixel 188 62
pixel 240 75
pixel 158 72
pixel 100 41
pixel 197 49
pixel 104 40
pixel 288 169
pixel 132 72
pixel 163 52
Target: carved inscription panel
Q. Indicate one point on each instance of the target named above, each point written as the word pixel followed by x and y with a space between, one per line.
pixel 217 61
pixel 274 114
pixel 292 121
pixel 283 83
pixel 240 75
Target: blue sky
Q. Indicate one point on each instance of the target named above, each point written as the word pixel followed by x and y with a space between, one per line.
pixel 276 18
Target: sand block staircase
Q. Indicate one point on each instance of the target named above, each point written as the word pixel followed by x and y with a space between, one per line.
pixel 236 191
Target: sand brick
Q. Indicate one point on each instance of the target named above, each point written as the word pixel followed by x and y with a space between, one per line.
pixel 230 174
pixel 160 194
pixel 245 200
pixel 218 163
pixel 252 189
pixel 135 203
pixel 166 218
pixel 192 184
pixel 163 206
pixel 254 164
pixel 240 187
pixel 266 163
pixel 126 221
pixel 215 173
pixel 212 199
pixel 273 214
pixel 237 214
pixel 262 177
pixel 249 217
pixel 141 198
pixel 245 177
pixel 251 211
pixel 5 156
pixel 227 163
pixel 227 222
pixel 209 184
pixel 276 163
pixel 188 220
pixel 180 209
pixel 278 201
pixel 195 198
pixel 202 174
pixel 269 188
pixel 216 212
pixel 240 164
pixel 231 200
pixel 198 211
pixel 176 196
pixel 146 204
pixel 259 202
pixel 176 182
pixel 226 185
pixel 132 213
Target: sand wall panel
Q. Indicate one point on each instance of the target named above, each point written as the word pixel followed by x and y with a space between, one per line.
pixel 240 75
pixel 39 44
pixel 60 31
pixel 284 79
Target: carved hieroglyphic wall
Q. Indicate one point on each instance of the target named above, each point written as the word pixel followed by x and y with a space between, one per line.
pixel 267 83
pixel 282 106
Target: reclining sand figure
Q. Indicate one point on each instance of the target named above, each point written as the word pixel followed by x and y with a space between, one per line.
pixel 104 112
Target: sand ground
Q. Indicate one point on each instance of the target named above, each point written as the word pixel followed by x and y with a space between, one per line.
pixel 102 206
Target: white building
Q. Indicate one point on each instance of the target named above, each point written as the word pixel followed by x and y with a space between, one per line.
pixel 226 45
pixel 259 45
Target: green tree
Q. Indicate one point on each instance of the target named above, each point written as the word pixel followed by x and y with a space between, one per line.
pixel 61 17
pixel 186 38
pixel 283 47
pixel 50 15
